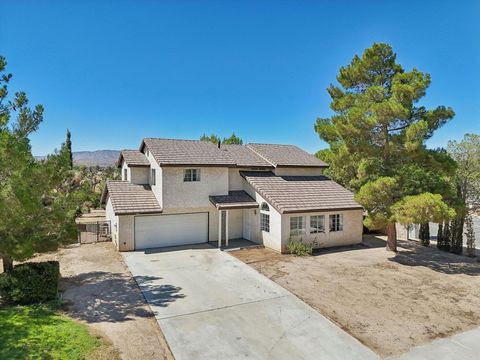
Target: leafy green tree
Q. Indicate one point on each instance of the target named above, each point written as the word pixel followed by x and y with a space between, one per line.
pixel 421 209
pixel 211 138
pixel 378 129
pixel 232 139
pixel 35 209
pixel 466 153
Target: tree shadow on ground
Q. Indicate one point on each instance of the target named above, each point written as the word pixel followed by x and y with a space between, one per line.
pixel 113 297
pixel 413 254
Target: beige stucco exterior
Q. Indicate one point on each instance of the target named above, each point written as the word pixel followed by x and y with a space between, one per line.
pixel 351 233
pixel 176 196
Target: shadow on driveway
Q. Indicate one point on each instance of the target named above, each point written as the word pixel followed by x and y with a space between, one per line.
pixel 114 297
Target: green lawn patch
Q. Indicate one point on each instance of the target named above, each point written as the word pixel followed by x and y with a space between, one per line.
pixel 38 332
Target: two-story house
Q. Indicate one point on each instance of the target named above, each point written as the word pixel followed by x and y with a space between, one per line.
pixel 179 192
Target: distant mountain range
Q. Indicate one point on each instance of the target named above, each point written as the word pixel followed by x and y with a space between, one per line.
pixel 93 158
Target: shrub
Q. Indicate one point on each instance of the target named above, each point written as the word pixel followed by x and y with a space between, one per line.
pixel 299 248
pixel 30 283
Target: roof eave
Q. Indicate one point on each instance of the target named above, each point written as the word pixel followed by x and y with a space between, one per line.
pixel 309 210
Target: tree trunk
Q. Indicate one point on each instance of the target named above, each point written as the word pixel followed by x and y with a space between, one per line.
pixel 7 263
pixel 424 234
pixel 391 237
pixel 440 236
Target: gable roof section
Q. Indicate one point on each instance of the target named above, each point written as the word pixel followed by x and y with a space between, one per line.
pixel 286 155
pixel 130 198
pixel 245 157
pixel 171 152
pixel 132 158
pixel 293 194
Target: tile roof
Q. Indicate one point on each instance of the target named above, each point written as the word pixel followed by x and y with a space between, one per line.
pixel 130 198
pixel 234 200
pixel 290 194
pixel 186 152
pixel 286 155
pixel 244 157
pixel 133 158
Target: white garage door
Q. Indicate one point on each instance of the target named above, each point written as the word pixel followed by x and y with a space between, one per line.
pixel 170 230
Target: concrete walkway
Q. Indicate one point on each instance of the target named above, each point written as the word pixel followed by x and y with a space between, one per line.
pixel 465 346
pixel 212 306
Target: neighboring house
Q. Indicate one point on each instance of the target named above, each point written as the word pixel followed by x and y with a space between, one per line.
pixel 178 192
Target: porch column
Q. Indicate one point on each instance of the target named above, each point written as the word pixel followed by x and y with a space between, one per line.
pixel 219 228
pixel 226 227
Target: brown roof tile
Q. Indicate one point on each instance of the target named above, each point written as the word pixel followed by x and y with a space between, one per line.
pixel 286 155
pixel 289 194
pixel 244 157
pixel 130 198
pixel 187 152
pixel 234 200
pixel 133 158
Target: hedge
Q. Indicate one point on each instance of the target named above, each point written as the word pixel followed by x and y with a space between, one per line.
pixel 30 283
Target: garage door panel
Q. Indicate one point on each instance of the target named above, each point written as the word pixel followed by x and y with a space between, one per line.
pixel 170 230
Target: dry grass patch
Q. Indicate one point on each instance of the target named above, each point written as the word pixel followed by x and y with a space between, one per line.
pixel 389 302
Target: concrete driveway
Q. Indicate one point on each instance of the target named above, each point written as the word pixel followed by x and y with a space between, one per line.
pixel 212 306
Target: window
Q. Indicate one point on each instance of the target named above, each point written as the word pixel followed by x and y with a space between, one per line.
pixel 297 225
pixel 264 217
pixel 153 176
pixel 336 222
pixel 317 224
pixel 265 222
pixel 191 175
pixel 125 173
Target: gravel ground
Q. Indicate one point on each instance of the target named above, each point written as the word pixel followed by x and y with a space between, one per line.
pixel 389 302
pixel 99 290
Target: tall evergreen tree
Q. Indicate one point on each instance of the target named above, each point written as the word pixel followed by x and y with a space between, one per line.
pixel 470 234
pixel 68 146
pixel 35 209
pixel 378 129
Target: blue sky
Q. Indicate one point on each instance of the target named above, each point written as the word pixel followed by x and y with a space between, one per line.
pixel 116 71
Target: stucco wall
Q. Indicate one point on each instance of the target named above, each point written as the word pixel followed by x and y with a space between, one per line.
pixel 126 232
pixel 298 171
pixel 157 188
pixel 179 194
pixel 110 216
pixel 235 224
pixel 351 233
pixel 124 166
pixel 139 175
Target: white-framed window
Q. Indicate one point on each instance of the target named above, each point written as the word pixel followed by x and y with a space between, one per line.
pixel 125 174
pixel 336 222
pixel 153 175
pixel 265 222
pixel 317 224
pixel 264 217
pixel 190 175
pixel 297 225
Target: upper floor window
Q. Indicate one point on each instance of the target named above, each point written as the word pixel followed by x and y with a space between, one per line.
pixel 317 224
pixel 125 174
pixel 191 175
pixel 336 222
pixel 153 175
pixel 297 225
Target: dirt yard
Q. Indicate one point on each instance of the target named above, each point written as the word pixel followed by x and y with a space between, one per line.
pixel 98 289
pixel 389 302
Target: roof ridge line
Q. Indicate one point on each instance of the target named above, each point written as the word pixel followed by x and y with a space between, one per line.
pixel 262 156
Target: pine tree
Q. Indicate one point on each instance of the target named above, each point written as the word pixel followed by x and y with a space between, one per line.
pixel 68 145
pixel 440 236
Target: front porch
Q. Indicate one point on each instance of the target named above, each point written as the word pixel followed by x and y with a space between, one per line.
pixel 236 212
pixel 236 244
